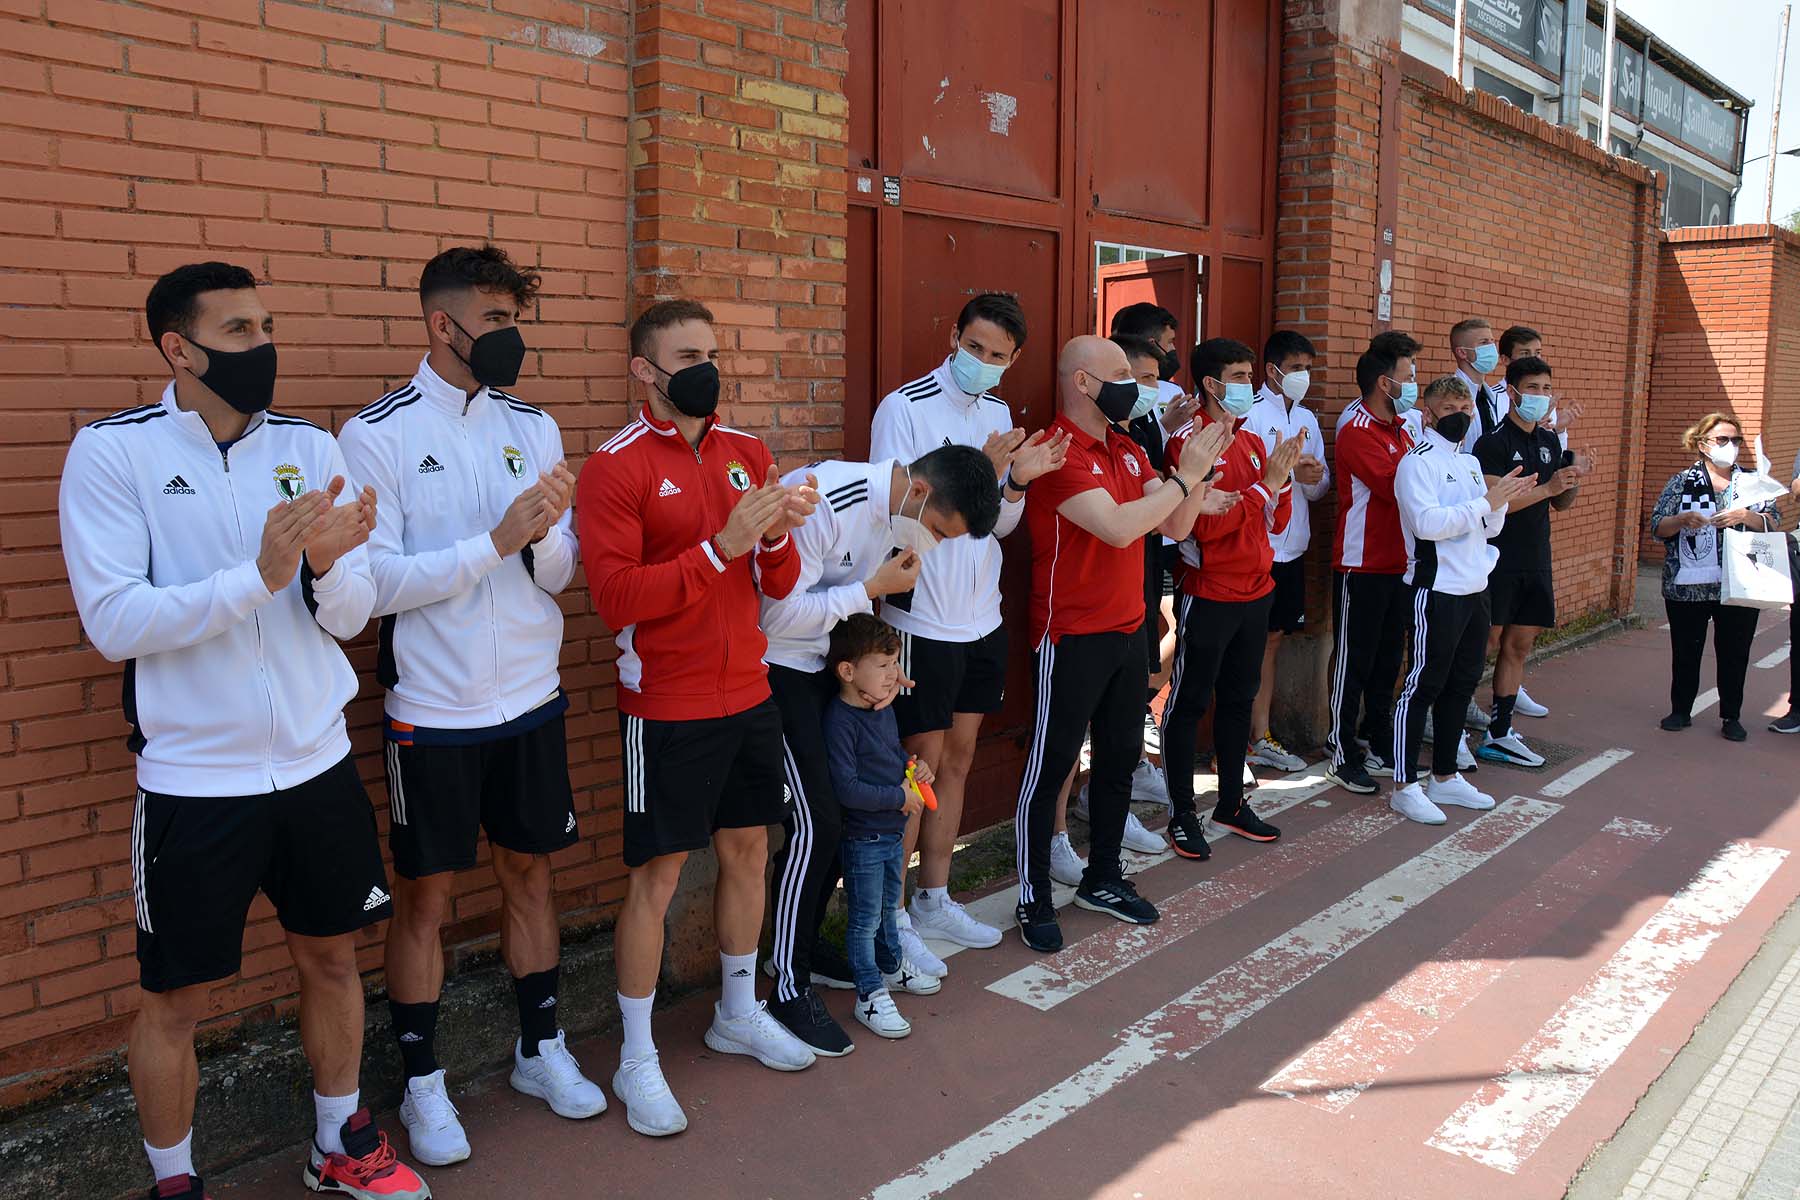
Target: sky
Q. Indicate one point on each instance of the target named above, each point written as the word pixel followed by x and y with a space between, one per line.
pixel 1736 41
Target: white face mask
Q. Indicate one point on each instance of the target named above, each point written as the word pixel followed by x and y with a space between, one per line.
pixel 1294 385
pixel 910 532
pixel 1723 457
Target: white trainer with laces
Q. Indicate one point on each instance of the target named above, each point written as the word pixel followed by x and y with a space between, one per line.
pixel 1411 803
pixel 650 1106
pixel 1066 866
pixel 555 1078
pixel 913 946
pixel 1476 717
pixel 877 1012
pixel 910 979
pixel 1270 753
pixel 951 922
pixel 1525 706
pixel 759 1036
pixel 1139 839
pixel 435 1135
pixel 1147 784
pixel 1458 792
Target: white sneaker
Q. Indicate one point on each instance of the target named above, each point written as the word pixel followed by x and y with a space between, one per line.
pixel 650 1106
pixel 951 922
pixel 1465 757
pixel 1147 784
pixel 1139 839
pixel 1525 706
pixel 1476 717
pixel 877 1011
pixel 913 946
pixel 436 1136
pixel 1066 866
pixel 555 1078
pixel 1458 792
pixel 910 979
pixel 1511 750
pixel 1270 753
pixel 1411 803
pixel 761 1037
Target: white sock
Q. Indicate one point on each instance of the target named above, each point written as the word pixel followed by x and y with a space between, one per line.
pixel 737 991
pixel 635 1011
pixel 174 1162
pixel 329 1114
pixel 930 899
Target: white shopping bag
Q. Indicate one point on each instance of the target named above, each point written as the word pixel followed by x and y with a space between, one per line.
pixel 1756 570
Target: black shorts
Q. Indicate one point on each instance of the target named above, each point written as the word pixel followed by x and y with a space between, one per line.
pixel 949 678
pixel 686 780
pixel 1522 598
pixel 198 862
pixel 440 798
pixel 1288 613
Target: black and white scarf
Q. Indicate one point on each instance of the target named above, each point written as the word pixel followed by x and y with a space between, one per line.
pixel 1700 550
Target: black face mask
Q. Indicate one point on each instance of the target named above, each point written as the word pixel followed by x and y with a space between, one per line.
pixel 244 379
pixel 494 358
pixel 694 391
pixel 1171 363
pixel 1452 426
pixel 1116 400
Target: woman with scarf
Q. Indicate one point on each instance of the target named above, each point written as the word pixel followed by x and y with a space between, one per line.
pixel 1696 506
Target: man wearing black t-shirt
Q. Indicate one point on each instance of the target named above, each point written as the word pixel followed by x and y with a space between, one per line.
pixel 1521 591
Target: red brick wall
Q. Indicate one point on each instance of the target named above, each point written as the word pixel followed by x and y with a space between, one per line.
pixel 1727 339
pixel 1505 217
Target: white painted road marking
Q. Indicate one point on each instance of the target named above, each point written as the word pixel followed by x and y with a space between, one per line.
pixel 1049 981
pixel 1585 772
pixel 1194 1020
pixel 1705 700
pixel 1334 1071
pixel 1774 659
pixel 1506 1121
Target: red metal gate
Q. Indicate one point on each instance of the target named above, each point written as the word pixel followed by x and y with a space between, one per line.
pixel 991 146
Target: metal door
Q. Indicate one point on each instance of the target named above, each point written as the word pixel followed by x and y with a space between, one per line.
pixel 992 145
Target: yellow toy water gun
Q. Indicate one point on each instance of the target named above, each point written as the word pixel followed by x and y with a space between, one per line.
pixel 923 791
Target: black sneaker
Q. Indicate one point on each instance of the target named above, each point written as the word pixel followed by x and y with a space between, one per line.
pixel 1188 838
pixel 1676 722
pixel 1246 824
pixel 1733 730
pixel 805 1017
pixel 1351 776
pixel 1116 898
pixel 831 969
pixel 1788 724
pixel 1038 928
pixel 178 1187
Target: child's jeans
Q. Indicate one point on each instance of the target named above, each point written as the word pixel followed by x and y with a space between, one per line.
pixel 873 865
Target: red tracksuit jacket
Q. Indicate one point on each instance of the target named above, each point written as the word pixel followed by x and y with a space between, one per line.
pixel 1369 451
pixel 1227 557
pixel 646 508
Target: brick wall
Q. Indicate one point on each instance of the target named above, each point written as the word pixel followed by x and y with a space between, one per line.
pixel 332 148
pixel 1727 339
pixel 1506 217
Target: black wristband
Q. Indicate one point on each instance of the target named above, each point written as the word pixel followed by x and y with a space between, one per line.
pixel 1010 482
pixel 1180 483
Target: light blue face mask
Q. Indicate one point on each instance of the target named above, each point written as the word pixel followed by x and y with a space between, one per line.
pixel 1237 399
pixel 972 375
pixel 1532 408
pixel 1486 358
pixel 1408 398
pixel 1146 401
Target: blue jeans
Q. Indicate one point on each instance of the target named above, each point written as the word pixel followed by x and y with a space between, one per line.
pixel 873 865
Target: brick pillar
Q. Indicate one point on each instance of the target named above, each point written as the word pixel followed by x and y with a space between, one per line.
pixel 737 148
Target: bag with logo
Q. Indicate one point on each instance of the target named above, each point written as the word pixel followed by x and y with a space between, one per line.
pixel 1757 574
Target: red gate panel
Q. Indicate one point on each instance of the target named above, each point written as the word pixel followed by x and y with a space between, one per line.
pixel 1169 281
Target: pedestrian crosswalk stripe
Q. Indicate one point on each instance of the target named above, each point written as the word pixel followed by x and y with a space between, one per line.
pixel 1508 1118
pixel 1584 773
pixel 1335 1070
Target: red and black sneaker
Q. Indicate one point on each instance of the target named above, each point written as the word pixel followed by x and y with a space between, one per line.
pixel 179 1187
pixel 1246 824
pixel 1187 836
pixel 367 1170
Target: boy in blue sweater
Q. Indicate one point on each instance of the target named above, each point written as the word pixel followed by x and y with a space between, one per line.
pixel 868 770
